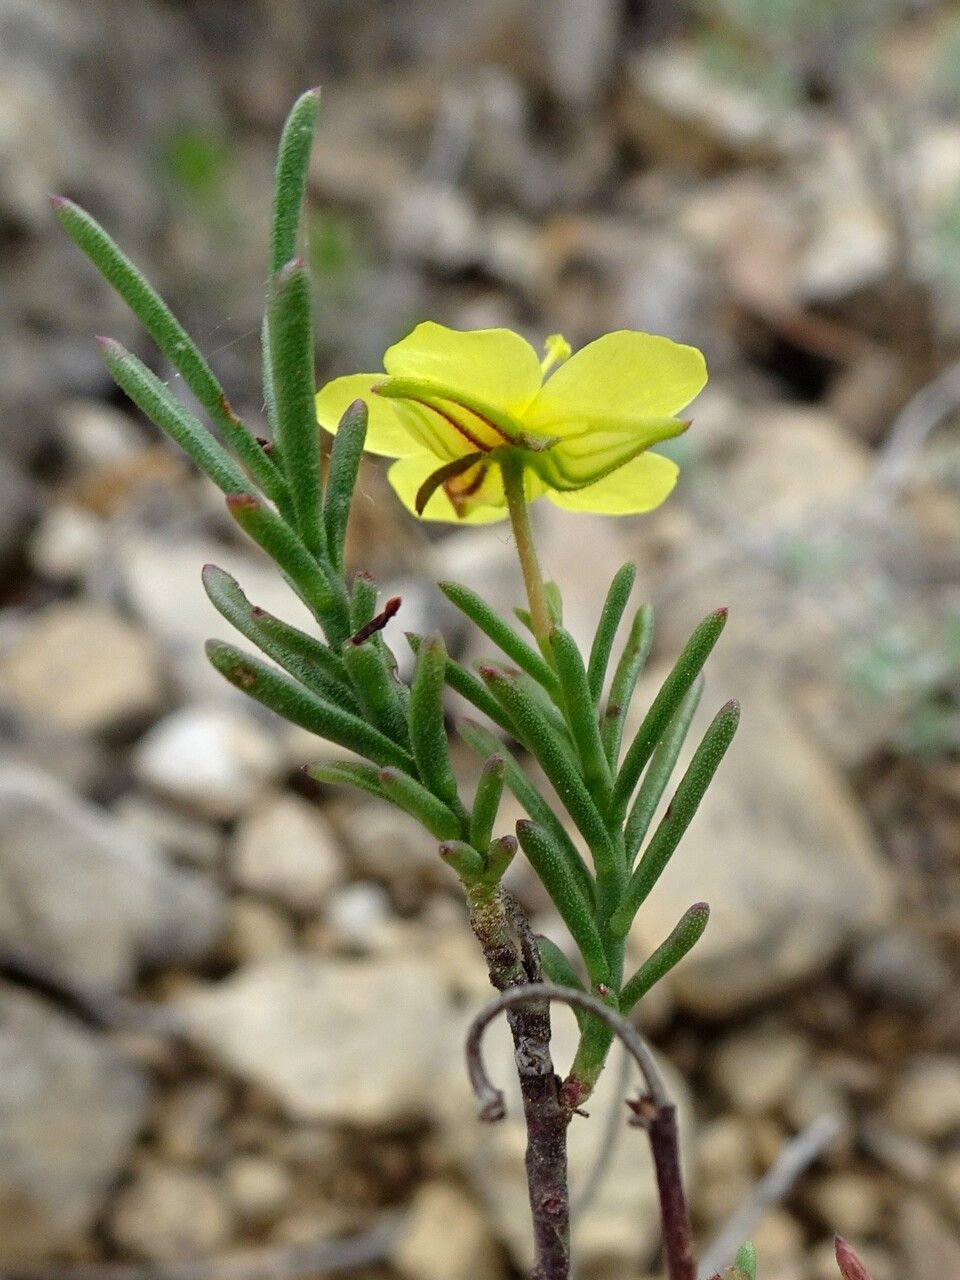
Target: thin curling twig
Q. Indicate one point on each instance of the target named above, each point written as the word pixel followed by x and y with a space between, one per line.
pixel 655 1111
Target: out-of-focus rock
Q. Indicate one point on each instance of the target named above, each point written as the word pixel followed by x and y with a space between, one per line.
pixel 581 39
pixel 216 760
pixel 161 581
pixel 358 915
pixel 94 434
pixel 926 1100
pixel 758 1069
pixel 68 544
pixel 779 1241
pixel 287 850
pixel 676 109
pixel 783 855
pixel 83 669
pixel 87 898
pixel 18 504
pixel 168 1212
pixel 931 1249
pixel 180 835
pixel 904 967
pixel 360 1043
pixel 446 1238
pixel 387 844
pixel 189 1120
pixel 256 931
pixel 257 1187
pixel 851 1203
pixel 70 1109
pixel 624 1222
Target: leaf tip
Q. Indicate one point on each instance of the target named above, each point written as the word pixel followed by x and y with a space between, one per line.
pixel 242 502
pixel 851 1268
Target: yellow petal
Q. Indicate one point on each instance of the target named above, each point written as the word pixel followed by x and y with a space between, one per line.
pixel 615 381
pixel 388 432
pixel 637 486
pixel 485 506
pixel 492 365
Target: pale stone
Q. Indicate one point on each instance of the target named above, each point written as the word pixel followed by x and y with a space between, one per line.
pixel 258 1188
pixel 70 1109
pixel 287 850
pixel 759 1068
pixel 88 898
pixel 215 760
pixel 446 1238
pixel 83 669
pixel 781 851
pixel 353 1042
pixel 926 1100
pixel 168 1213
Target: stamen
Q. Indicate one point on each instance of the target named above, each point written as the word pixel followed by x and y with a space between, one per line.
pixel 556 350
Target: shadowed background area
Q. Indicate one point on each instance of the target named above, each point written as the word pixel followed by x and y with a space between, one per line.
pixel 232 1001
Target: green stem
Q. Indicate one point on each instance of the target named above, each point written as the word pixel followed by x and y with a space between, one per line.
pixel 512 468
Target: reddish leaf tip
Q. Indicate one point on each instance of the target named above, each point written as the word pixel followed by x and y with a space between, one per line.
pixel 851 1268
pixel 242 502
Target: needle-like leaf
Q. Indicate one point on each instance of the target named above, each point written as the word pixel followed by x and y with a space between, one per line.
pixel 548 862
pixel 678 817
pixel 624 682
pixel 298 705
pixel 170 336
pixel 290 330
pixel 674 689
pixel 612 612
pixel 685 935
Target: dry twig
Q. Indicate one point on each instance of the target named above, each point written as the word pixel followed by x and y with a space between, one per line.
pixel 654 1111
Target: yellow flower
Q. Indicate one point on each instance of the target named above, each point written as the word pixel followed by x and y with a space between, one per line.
pixel 452 406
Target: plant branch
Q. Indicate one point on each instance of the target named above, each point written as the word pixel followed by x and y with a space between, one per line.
pixel 514 965
pixel 655 1111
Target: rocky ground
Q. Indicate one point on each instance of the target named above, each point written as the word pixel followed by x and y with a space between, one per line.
pixel 231 1002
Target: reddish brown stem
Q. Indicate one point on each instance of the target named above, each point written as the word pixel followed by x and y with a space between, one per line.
pixel 513 964
pixel 655 1111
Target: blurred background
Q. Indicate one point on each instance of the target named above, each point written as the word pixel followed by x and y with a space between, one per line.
pixel 231 1001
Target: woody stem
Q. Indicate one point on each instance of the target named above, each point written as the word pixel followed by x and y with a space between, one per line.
pixel 527 549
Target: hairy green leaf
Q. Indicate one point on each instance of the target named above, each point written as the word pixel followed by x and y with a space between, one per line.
pixel 678 817
pixel 408 794
pixel 685 935
pixel 345 455
pixel 427 729
pixel 300 661
pixel 581 714
pixel 293 158
pixel 323 594
pixel 486 801
pixel 170 336
pixel 298 705
pixel 610 615
pixel 502 635
pixel 624 682
pixel 290 331
pixel 660 769
pixel 484 743
pixel 674 689
pixel 156 400
pixel 548 862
